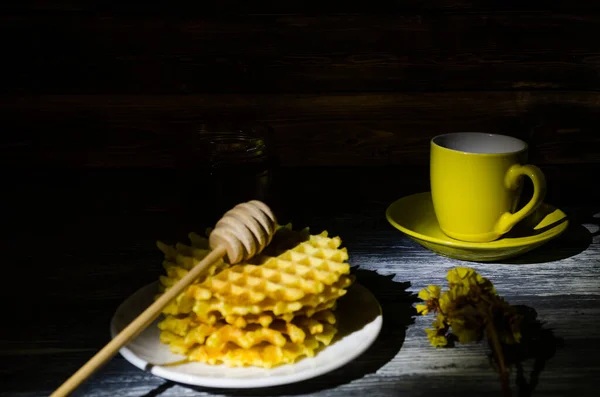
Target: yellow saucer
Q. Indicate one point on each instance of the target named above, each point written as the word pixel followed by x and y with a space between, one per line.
pixel 414 216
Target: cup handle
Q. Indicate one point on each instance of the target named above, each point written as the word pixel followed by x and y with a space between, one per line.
pixel 508 220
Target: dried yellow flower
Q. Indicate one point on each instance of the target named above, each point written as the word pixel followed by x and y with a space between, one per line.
pixel 468 307
pixel 469 311
pixel 431 292
pixel 435 338
pixel 469 279
pixel 466 331
pixel 430 295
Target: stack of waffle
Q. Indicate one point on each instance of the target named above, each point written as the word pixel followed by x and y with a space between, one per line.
pixel 272 310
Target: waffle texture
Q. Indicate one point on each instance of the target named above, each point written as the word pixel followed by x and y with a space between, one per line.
pixel 272 310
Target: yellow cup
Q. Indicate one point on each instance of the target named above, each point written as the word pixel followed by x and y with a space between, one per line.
pixel 476 184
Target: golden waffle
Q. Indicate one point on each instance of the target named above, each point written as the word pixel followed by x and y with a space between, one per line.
pixel 308 305
pixel 183 325
pixel 312 273
pixel 303 270
pixel 279 343
pixel 270 310
pixel 181 258
pixel 322 315
pixel 264 355
pixel 182 334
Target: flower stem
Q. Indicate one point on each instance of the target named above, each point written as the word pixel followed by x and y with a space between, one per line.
pixel 493 337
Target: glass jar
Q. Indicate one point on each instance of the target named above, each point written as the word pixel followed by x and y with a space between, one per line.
pixel 223 165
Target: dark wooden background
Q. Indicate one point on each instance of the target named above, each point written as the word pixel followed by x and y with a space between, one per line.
pixel 99 100
pixel 125 84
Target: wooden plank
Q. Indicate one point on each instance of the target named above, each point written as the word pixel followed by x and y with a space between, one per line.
pixel 79 53
pixel 363 129
pixel 96 261
pixel 287 7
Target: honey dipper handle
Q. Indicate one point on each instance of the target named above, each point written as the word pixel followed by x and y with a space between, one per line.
pixel 137 326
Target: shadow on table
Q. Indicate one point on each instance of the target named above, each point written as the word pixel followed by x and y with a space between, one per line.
pixel 157 391
pixel 397 306
pixel 575 240
pixel 537 346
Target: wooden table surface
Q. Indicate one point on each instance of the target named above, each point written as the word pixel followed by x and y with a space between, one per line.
pixel 79 243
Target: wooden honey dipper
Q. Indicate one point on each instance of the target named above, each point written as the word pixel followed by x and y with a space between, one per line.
pixel 241 233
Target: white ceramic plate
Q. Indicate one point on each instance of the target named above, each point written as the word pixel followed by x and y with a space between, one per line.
pixel 359 321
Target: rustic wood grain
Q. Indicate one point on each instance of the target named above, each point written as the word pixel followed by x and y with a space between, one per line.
pixel 340 129
pixel 89 243
pixel 270 6
pixel 87 53
pixel 114 92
